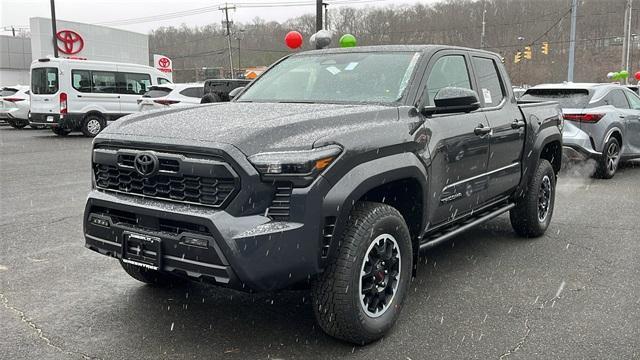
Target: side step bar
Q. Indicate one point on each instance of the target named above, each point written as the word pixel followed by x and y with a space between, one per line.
pixel 444 237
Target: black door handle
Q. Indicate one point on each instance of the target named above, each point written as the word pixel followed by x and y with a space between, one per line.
pixel 481 130
pixel 517 124
pixel 79 96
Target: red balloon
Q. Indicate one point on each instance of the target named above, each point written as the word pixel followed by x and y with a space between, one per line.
pixel 293 39
pixel 637 76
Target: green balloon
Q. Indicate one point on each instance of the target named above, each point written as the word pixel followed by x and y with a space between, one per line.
pixel 623 74
pixel 616 76
pixel 347 40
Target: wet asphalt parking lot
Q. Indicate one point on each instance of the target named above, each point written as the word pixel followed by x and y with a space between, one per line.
pixel 572 294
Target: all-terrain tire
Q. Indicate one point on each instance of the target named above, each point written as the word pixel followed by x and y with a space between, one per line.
pixel 610 160
pixel 338 305
pixel 92 124
pixel 152 277
pixel 532 214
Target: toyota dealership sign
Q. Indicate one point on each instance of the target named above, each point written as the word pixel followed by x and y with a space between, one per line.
pixel 69 42
pixel 163 64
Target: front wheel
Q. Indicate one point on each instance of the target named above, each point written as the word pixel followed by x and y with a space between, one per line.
pixel 359 296
pixel 532 214
pixel 17 124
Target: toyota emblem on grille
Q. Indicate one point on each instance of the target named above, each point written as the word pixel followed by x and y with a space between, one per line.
pixel 146 164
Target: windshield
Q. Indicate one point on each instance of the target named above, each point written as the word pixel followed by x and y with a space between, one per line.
pixel 351 77
pixel 567 98
pixel 44 81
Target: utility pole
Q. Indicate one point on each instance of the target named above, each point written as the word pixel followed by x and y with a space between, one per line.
pixel 482 36
pixel 239 36
pixel 626 42
pixel 54 30
pixel 226 9
pixel 318 15
pixel 326 16
pixel 572 40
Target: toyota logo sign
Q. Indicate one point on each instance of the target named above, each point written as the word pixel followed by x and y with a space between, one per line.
pixel 164 62
pixel 146 163
pixel 71 41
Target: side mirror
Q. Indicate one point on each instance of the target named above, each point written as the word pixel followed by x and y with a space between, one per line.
pixel 450 100
pixel 233 93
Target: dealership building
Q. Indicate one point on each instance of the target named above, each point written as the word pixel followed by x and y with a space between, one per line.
pixel 74 39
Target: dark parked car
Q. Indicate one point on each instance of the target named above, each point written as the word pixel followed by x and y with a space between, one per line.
pixel 217 90
pixel 333 169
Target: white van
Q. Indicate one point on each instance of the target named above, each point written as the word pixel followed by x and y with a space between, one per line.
pixel 73 94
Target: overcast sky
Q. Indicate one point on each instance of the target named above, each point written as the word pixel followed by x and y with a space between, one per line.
pixel 18 12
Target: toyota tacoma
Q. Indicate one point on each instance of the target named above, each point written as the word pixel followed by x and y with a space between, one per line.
pixel 333 170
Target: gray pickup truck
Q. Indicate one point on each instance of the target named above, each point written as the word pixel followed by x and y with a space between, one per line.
pixel 333 170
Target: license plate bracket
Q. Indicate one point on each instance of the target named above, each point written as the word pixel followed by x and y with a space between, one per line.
pixel 142 250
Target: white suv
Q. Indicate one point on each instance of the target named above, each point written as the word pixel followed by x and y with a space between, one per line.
pixel 14 105
pixel 171 95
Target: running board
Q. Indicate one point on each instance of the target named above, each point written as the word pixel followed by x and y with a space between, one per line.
pixel 466 226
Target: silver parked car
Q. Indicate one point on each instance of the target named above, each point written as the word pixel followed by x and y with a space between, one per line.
pixel 602 122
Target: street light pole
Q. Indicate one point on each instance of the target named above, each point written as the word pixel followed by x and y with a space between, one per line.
pixel 482 36
pixel 318 15
pixel 53 28
pixel 572 41
pixel 626 42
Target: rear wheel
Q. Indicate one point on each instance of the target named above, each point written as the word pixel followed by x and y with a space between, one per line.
pixel 60 131
pixel 610 159
pixel 92 125
pixel 532 214
pixel 152 277
pixel 359 296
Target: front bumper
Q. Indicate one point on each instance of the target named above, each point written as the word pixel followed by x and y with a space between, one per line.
pixel 246 252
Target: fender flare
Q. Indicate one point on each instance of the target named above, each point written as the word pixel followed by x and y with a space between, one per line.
pixel 613 129
pixel 531 156
pixel 343 195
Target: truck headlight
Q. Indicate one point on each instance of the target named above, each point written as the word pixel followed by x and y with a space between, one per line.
pixel 295 164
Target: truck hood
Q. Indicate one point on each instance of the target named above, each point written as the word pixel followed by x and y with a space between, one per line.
pixel 252 127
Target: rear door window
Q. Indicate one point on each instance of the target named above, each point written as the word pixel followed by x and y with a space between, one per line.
pixel 567 98
pixel 491 86
pixel 135 84
pixel 44 81
pixel 194 92
pixel 103 82
pixel 81 80
pixel 617 99
pixel 634 100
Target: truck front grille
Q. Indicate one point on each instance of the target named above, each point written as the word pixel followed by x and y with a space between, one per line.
pixel 180 178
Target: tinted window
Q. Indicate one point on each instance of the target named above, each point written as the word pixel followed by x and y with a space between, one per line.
pixel 136 84
pixel 44 81
pixel 634 100
pixel 448 71
pixel 163 81
pixel 157 91
pixel 103 82
pixel 567 98
pixel 81 80
pixel 491 87
pixel 194 92
pixel 7 92
pixel 617 99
